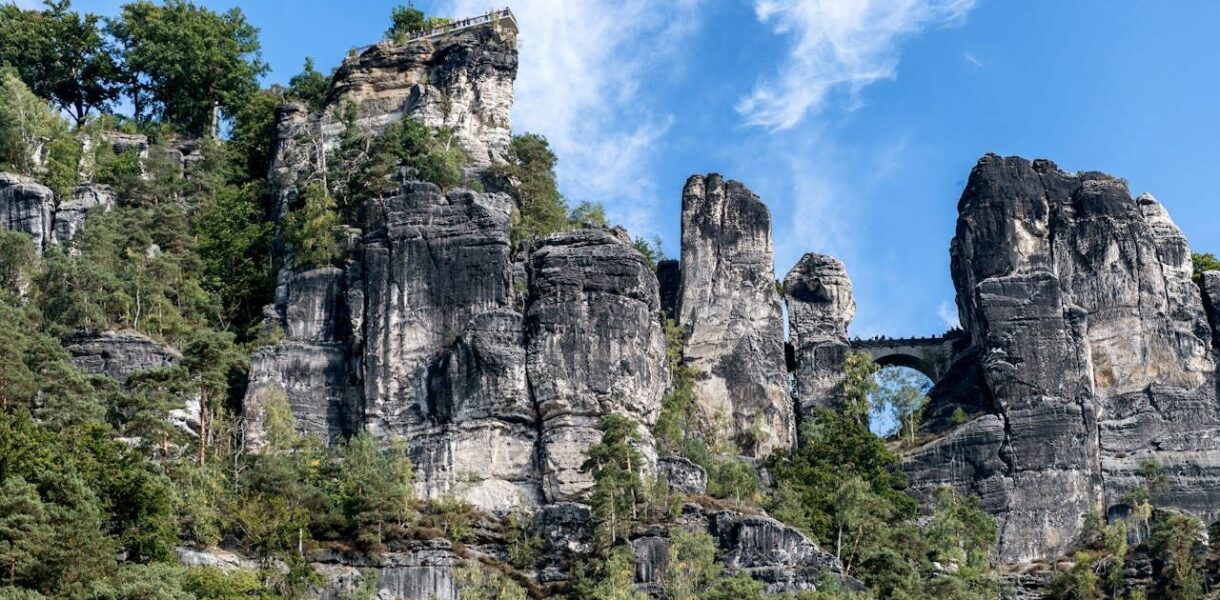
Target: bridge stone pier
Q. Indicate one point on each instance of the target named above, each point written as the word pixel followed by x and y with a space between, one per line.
pixel 928 355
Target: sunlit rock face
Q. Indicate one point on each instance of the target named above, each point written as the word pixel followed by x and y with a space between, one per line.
pixel 595 347
pixel 731 313
pixel 820 303
pixel 1090 355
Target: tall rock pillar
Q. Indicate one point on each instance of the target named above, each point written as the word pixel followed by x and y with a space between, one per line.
pixel 820 307
pixel 732 316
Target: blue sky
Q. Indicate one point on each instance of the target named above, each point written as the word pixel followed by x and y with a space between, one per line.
pixel 857 121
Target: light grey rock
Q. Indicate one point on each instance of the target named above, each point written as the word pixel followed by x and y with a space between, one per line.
pixel 118 354
pixel 423 570
pixel 310 368
pixel 732 315
pixel 216 558
pixel 26 206
pixel 595 347
pixel 1210 286
pixel 773 553
pixel 683 475
pixel 435 262
pixel 70 215
pixel 482 445
pixel 1090 354
pixel 820 307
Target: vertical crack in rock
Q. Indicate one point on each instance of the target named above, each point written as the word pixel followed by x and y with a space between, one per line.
pixel 731 313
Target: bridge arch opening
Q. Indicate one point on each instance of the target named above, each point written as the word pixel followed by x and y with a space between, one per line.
pixel 927 369
pixel 898 399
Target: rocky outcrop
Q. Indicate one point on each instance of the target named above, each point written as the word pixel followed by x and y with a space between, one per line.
pixel 118 354
pixel 463 82
pixel 310 367
pixel 773 553
pixel 595 347
pixel 1210 286
pixel 70 214
pixel 683 475
pixel 1090 355
pixel 433 263
pixel 732 316
pixel 820 307
pixel 26 206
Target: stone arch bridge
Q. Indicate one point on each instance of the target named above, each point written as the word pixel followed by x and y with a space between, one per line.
pixel 929 355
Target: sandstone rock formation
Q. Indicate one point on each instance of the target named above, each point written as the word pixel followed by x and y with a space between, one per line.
pixel 118 354
pixel 70 214
pixel 732 316
pixel 820 307
pixel 1090 355
pixel 462 81
pixel 26 206
pixel 595 347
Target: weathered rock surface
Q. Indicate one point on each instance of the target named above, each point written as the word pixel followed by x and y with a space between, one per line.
pixel 820 307
pixel 1210 286
pixel 595 347
pixel 70 215
pixel 434 262
pixel 310 368
pixel 1093 356
pixel 773 553
pixel 463 82
pixel 26 206
pixel 683 475
pixel 118 354
pixel 732 315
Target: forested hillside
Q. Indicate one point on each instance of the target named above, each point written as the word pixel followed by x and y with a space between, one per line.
pixel 197 305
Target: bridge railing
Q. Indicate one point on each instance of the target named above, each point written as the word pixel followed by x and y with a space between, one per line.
pixel 930 340
pixel 503 15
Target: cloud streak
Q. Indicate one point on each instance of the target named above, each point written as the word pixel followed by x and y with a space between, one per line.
pixel 837 45
pixel 580 83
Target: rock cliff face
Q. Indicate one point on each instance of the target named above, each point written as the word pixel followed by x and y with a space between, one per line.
pixel 31 208
pixel 595 347
pixel 1090 348
pixel 732 316
pixel 26 206
pixel 463 82
pixel 820 307
pixel 118 354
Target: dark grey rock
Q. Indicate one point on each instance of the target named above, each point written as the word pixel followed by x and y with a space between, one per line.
pixel 27 207
pixel 683 475
pixel 1093 356
pixel 732 315
pixel 118 354
pixel 773 553
pixel 820 307
pixel 669 280
pixel 70 214
pixel 595 347
pixel 1210 286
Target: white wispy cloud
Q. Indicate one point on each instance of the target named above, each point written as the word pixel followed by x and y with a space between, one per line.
pixel 972 59
pixel 579 83
pixel 948 313
pixel 837 45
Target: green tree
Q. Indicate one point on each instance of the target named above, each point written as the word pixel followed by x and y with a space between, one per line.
pixel 617 581
pixel 476 582
pixel 25 529
pixel 652 251
pixel 408 19
pixel 63 56
pixel 311 228
pixel 691 568
pixel 27 126
pixel 531 166
pixel 902 393
pixel 1205 261
pixel 614 463
pixel 153 394
pixel 186 63
pixel 309 86
pixel 373 489
pixel 1176 544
